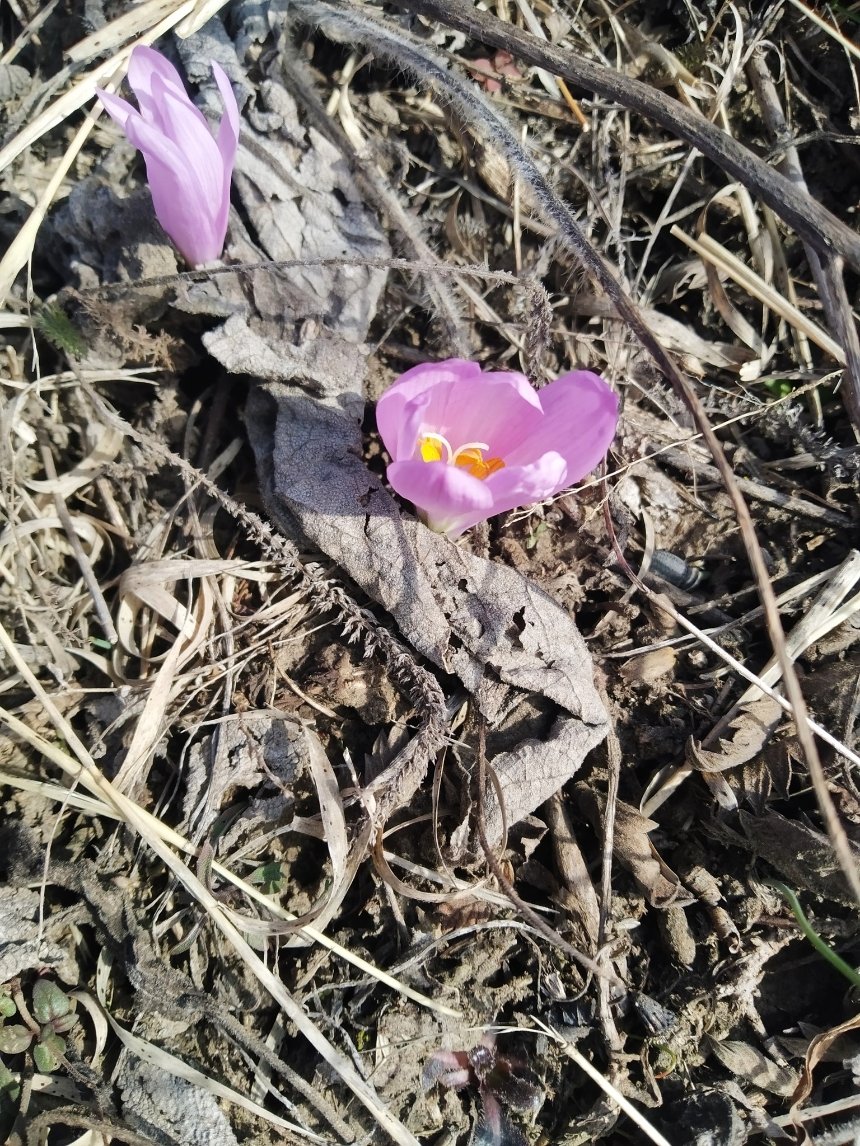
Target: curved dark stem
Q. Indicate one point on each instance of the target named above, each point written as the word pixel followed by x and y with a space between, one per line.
pixel 813 222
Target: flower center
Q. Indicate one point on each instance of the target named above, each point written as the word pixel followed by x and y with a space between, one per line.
pixel 435 448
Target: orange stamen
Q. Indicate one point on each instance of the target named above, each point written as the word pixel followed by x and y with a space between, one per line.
pixel 471 460
pixel 434 448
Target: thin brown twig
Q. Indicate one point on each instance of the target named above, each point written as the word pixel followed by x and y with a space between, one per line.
pixel 787 502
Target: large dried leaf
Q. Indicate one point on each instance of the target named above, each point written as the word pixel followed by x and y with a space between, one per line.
pixel 27 943
pixel 502 636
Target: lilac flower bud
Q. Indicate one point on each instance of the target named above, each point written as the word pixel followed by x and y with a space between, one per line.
pixel 467 445
pixel 187 169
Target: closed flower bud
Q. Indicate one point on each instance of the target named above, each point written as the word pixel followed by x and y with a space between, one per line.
pixel 188 170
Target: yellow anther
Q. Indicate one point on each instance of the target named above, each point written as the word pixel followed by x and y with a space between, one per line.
pixel 435 448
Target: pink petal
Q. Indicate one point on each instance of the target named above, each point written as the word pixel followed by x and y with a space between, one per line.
pixel 389 408
pixel 525 485
pixel 186 126
pixel 413 418
pixel 581 416
pixel 228 139
pixel 145 65
pixel 188 171
pixel 465 405
pixel 430 374
pixel 449 498
pixel 176 196
pixel 118 109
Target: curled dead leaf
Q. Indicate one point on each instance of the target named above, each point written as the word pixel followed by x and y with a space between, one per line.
pixel 634 851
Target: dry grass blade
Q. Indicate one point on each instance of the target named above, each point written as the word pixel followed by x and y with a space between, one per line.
pixel 96 806
pixel 87 772
pixel 802 212
pixel 712 251
pixel 172 1065
pixel 843 41
pixel 611 1092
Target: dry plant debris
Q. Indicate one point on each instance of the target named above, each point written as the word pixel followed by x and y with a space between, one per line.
pixel 304 804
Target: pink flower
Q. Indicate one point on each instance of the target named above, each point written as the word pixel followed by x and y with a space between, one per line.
pixel 188 171
pixel 466 445
pixel 503 64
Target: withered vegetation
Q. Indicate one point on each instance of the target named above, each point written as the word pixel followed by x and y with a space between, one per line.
pixel 320 827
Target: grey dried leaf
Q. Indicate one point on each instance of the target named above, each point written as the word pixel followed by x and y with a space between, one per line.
pixel 247 751
pixel 748 1064
pixel 301 203
pixel 14 81
pixel 25 945
pixel 751 730
pixel 803 857
pixel 158 1103
pixel 501 635
pixel 705 1118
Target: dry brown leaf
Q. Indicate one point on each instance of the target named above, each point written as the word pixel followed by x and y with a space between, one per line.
pixel 748 1064
pixel 803 857
pixel 752 729
pixel 815 1052
pixel 634 851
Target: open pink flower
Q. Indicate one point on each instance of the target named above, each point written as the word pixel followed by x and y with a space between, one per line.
pixel 188 170
pixel 466 445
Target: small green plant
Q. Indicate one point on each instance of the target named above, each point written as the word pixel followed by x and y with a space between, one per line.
pixel 270 877
pixel 51 1015
pixel 850 973
pixel 53 322
pixel 779 387
pixel 534 533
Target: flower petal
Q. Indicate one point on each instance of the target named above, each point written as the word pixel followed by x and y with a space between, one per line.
pixel 228 139
pixel 579 423
pixel 465 405
pixel 176 195
pixel 186 126
pixel 118 109
pixel 448 498
pixel 429 374
pixel 526 485
pixel 188 171
pixel 145 66
pixel 413 417
pixel 389 408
